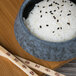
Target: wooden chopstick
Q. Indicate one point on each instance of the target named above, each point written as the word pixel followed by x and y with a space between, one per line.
pixel 16 61
pixel 40 67
pixel 21 63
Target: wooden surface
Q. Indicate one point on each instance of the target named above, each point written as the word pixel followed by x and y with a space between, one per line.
pixel 8 12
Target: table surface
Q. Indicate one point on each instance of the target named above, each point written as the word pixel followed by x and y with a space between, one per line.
pixel 8 12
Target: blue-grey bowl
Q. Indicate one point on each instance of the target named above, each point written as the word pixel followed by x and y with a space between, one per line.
pixel 49 51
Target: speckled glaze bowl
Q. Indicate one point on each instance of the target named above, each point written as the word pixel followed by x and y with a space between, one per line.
pixel 49 51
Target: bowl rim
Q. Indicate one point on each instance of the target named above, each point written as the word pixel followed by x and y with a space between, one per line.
pixel 57 52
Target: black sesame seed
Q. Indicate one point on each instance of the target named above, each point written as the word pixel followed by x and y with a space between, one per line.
pixel 58 28
pixel 57 20
pixel 54 17
pixel 47 25
pixel 37 5
pixel 69 14
pixel 46 12
pixel 50 11
pixel 60 14
pixel 50 5
pixel 69 11
pixel 43 6
pixel 62 5
pixel 68 23
pixel 53 1
pixel 54 10
pixel 58 7
pixel 53 31
pixel 56 3
pixel 40 11
pixel 61 11
pixel 71 5
pixel 40 26
pixel 41 16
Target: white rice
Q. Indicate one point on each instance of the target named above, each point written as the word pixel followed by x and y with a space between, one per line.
pixel 53 20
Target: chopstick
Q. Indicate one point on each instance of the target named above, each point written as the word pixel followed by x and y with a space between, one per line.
pixel 16 61
pixel 24 64
pixel 39 67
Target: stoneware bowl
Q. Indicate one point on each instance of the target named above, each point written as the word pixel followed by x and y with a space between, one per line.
pixel 49 51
